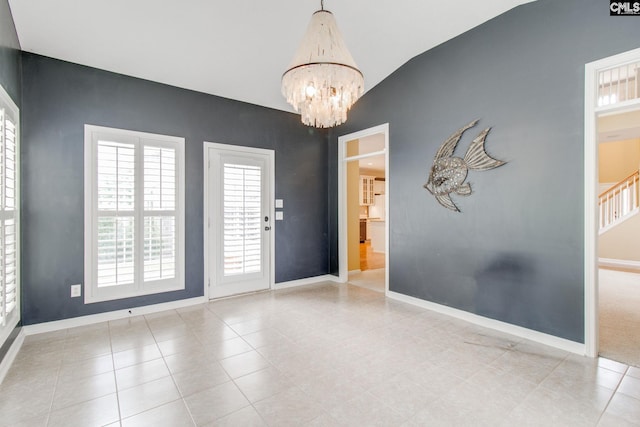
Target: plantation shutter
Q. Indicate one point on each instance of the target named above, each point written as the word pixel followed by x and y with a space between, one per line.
pixel 8 217
pixel 116 213
pixel 242 219
pixel 160 201
pixel 134 213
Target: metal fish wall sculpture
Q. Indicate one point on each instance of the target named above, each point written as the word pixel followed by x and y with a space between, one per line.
pixel 448 173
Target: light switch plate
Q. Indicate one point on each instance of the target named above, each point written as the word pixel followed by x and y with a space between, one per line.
pixel 279 216
pixel 76 291
pixel 279 204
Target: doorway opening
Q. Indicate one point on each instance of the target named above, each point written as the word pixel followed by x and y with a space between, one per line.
pixel 619 236
pixel 363 194
pixel 612 219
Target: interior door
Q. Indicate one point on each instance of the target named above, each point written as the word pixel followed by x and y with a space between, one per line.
pixel 240 220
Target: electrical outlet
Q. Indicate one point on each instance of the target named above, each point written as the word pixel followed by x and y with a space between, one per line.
pixel 76 291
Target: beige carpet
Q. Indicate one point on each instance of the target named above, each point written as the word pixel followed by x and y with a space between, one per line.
pixel 619 316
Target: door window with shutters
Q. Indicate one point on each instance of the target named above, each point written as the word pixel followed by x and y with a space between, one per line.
pixel 134 213
pixel 9 217
pixel 242 219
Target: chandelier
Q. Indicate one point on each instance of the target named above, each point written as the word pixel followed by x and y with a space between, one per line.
pixel 322 81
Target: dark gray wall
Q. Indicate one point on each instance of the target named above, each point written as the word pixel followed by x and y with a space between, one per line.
pixel 9 54
pixel 10 81
pixel 515 253
pixel 59 98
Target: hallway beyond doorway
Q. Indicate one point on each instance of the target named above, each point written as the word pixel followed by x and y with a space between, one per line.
pixel 372 269
pixel 370 260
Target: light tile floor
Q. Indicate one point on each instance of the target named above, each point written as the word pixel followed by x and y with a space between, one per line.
pixel 325 355
pixel 370 279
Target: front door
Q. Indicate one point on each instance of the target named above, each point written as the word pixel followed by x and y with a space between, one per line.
pixel 239 220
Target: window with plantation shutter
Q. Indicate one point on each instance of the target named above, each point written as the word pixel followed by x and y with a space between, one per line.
pixel 9 217
pixel 134 213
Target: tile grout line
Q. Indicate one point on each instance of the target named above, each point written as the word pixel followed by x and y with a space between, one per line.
pixel 115 378
pixel 251 404
pixel 537 386
pixel 175 384
pixel 55 387
pixel 182 396
pixel 136 364
pixel 615 391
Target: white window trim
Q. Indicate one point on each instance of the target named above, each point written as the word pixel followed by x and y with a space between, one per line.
pixel 91 292
pixel 8 325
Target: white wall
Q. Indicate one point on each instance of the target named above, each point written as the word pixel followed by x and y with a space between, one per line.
pixel 621 242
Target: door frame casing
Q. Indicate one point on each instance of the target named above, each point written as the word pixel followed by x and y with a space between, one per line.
pixel 208 220
pixel 591 112
pixel 343 276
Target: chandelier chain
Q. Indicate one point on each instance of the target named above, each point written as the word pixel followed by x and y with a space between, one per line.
pixel 321 4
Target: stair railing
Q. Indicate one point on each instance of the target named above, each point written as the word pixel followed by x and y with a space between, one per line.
pixel 619 202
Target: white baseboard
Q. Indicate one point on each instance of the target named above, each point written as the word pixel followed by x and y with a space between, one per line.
pixel 8 358
pixel 518 331
pixel 619 263
pixel 110 315
pixel 358 271
pixel 305 282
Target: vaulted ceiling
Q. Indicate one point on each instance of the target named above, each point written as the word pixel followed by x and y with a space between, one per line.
pixel 237 49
